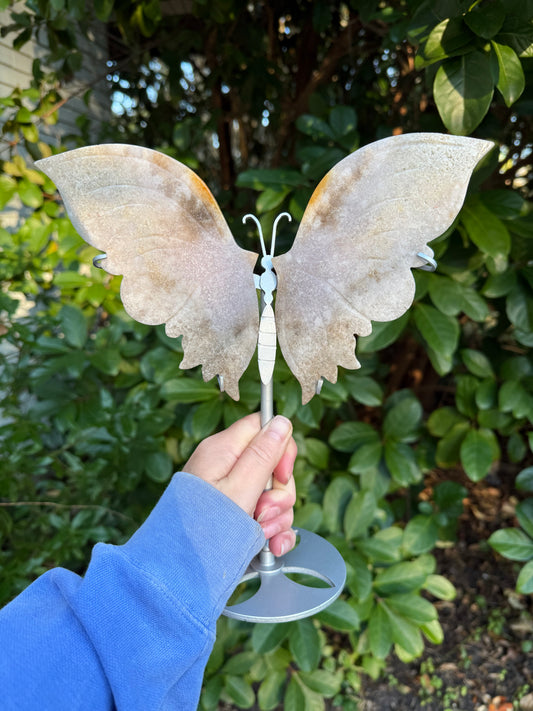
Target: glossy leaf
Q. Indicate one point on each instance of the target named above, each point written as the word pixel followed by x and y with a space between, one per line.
pixel 339 616
pixel 440 332
pixel 486 20
pixel 270 691
pixel 485 229
pixel 511 81
pixel 400 578
pixel 379 632
pixel 440 587
pixel 463 91
pixel 524 584
pixel 524 515
pixel 304 644
pixel 512 543
pixel 477 454
pixel 359 514
pixel 420 535
pixel 524 481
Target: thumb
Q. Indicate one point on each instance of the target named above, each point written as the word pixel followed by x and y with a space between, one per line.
pixel 251 473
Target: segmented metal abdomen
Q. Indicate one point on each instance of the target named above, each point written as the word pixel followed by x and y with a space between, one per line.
pixel 266 344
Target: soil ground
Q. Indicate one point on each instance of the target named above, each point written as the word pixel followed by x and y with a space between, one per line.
pixel 486 660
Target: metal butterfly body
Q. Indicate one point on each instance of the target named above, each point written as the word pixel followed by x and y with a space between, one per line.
pixel 360 236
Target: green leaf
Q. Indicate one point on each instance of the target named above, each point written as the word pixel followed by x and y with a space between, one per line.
pixel 511 80
pixel 240 663
pixel 383 334
pixel 486 394
pixel 485 230
pixel 433 631
pixel 314 126
pixel 366 391
pixel 30 194
pixel 420 535
pixel 518 35
pixel 402 421
pixel 404 633
pixel 384 546
pixel 240 691
pixel 269 199
pixel 300 698
pixel 465 395
pixel 262 178
pixel 476 453
pixel 158 466
pixel 379 632
pixel 269 694
pixel 188 390
pixel 366 457
pixel 486 20
pixel 524 481
pixel 343 120
pixel 440 587
pixel 512 543
pixel 267 637
pixel 513 398
pixel 206 418
pixel 477 363
pixel 448 448
pixel 103 9
pixel 401 577
pixel 441 421
pixel 350 435
pixel 309 516
pixel 316 452
pixel 401 463
pixel 449 38
pixel 304 644
pixel 359 514
pixel 413 607
pixel 339 616
pixel 463 90
pixel 519 308
pixel 440 332
pixel 107 361
pixel 69 280
pixel 524 584
pixel 8 187
pixel 446 294
pixel 359 577
pixel 74 325
pixel 323 682
pixel 336 499
pixel 524 515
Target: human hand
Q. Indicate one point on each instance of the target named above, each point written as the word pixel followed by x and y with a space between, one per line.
pixel 239 462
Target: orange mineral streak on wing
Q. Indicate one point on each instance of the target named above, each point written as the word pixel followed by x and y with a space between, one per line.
pixel 162 229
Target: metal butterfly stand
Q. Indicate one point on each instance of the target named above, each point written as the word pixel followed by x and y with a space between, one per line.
pixel 280 599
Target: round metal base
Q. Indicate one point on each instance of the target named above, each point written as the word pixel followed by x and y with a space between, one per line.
pixel 280 599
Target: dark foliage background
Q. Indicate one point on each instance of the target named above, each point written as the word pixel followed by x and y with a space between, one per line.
pixel 261 99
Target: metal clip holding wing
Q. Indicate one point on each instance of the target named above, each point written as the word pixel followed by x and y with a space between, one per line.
pixel 266 282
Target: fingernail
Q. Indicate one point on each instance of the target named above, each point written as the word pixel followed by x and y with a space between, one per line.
pixel 268 514
pixel 279 426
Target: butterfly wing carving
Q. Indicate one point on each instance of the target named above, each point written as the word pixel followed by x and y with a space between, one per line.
pixel 162 229
pixel 351 260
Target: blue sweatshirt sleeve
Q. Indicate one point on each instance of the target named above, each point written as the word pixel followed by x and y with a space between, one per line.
pixel 135 633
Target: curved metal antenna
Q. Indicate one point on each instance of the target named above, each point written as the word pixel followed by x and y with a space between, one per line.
pixel 249 216
pixel 430 264
pixel 99 258
pixel 274 229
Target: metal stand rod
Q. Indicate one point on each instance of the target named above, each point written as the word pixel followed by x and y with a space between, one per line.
pixel 267 413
